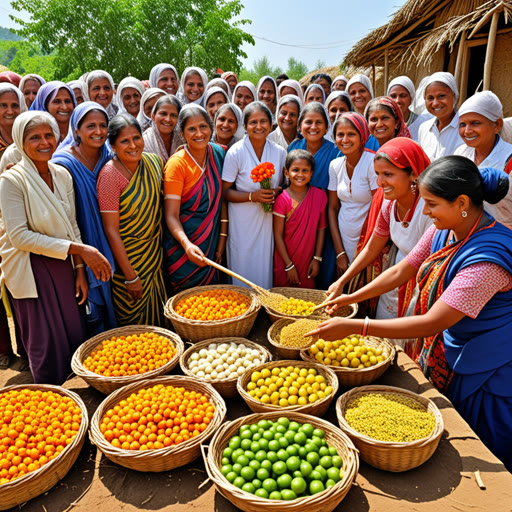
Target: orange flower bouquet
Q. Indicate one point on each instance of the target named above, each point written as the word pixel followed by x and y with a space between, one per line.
pixel 262 174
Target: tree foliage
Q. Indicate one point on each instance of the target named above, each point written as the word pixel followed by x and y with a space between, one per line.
pixel 23 57
pixel 128 37
pixel 8 35
pixel 296 70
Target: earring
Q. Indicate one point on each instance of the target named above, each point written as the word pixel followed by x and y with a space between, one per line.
pixel 78 140
pixel 464 213
pixel 414 187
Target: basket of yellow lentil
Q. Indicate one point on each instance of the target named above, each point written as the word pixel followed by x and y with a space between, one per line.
pixel 300 303
pixel 287 336
pixel 393 428
pixel 214 311
pixel 288 386
pixel 355 360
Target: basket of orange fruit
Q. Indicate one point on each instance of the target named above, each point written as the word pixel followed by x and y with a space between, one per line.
pixel 121 356
pixel 214 311
pixel 42 430
pixel 157 424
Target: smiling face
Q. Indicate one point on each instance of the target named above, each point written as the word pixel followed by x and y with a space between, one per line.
pixel 477 131
pixel 9 109
pixel 313 127
pixel 61 107
pixel 197 133
pixel 444 214
pixel 166 119
pixel 288 117
pixel 101 92
pixel 336 108
pixel 215 101
pixel 39 143
pixel 360 96
pixel 314 94
pixel 347 138
pixel 131 100
pixel 299 173
pixel 258 126
pixel 168 81
pixel 225 127
pixel 402 98
pixel 129 146
pixel 149 104
pixel 193 87
pixel 439 101
pixel 382 124
pixel 93 130
pixel 232 81
pixel 79 97
pixel 395 182
pixel 243 97
pixel 267 94
pixel 30 91
pixel 339 85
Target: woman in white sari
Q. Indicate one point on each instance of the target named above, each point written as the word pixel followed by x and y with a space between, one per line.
pixel 288 112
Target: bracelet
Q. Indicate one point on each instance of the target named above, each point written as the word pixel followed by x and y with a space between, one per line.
pixel 223 234
pixel 80 265
pixel 366 326
pixel 340 254
pixel 317 258
pixel 250 197
pixel 224 220
pixel 289 267
pixel 132 281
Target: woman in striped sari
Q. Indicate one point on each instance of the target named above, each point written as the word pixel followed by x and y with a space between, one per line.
pixel 129 196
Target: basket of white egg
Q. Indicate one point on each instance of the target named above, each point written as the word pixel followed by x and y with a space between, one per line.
pixel 220 361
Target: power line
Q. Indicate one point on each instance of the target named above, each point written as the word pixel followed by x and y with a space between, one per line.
pixel 318 46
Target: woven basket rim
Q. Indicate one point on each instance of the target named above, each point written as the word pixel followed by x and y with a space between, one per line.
pixel 168 451
pixel 84 350
pixel 345 398
pixel 280 325
pixel 171 314
pixel 201 344
pixel 79 438
pixel 330 376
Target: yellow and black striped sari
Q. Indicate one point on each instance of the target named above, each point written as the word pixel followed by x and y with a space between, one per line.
pixel 140 227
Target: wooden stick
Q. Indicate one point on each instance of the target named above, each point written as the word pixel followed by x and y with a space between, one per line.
pixel 489 55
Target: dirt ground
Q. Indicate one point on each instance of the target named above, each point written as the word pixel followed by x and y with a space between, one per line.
pixel 444 483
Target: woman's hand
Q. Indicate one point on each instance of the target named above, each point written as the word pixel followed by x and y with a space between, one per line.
pixel 293 276
pixel 96 262
pixel 313 269
pixel 81 285
pixel 336 289
pixel 221 247
pixel 135 290
pixel 334 329
pixel 263 195
pixel 342 264
pixel 195 255
pixel 342 300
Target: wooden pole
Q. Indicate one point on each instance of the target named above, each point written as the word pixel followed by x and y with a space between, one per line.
pixel 386 71
pixel 374 79
pixel 458 63
pixel 489 54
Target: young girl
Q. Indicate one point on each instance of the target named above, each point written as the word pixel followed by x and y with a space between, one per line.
pixel 299 224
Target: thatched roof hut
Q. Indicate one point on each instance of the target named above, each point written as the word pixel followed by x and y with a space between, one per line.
pixel 470 38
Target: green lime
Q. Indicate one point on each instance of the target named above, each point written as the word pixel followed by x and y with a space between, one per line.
pixel 297 474
pixel 262 474
pixel 333 474
pixel 249 454
pixel 317 432
pixel 261 493
pixel 257 436
pixel 227 468
pixel 305 468
pixel 278 435
pixel 263 444
pixel 294 426
pixel 329 483
pixel 285 422
pixel 281 428
pixel 308 429
pixel 288 495
pixel 243 460
pixel 269 484
pixel 225 460
pixel 267 464
pixel 247 473
pixel 230 477
pixel 313 458
pixel 243 428
pixel 234 442
pixel 248 487
pixel 272 456
pixel 257 483
pixel 293 463
pixel 282 455
pixel 279 467
pixel 302 452
pixel 284 481
pixel 270 423
pixel 316 486
pixel 263 424
pixel 255 446
pixel 311 447
pixel 323 451
pixel 300 438
pixel 332 451
pixel 254 428
pixel 246 434
pixel 326 462
pixel 322 471
pixel 298 485
pixel 283 442
pixel 237 454
pixel 246 444
pixel 274 445
pixel 228 452
pixel 239 482
pixel 337 461
pixel 275 495
pixel 255 464
pixel 237 468
pixel 292 450
pixel 268 435
pixel 260 455
pixel 317 441
pixel 316 475
pixel 289 436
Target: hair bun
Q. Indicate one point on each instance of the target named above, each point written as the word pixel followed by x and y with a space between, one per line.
pixel 496 184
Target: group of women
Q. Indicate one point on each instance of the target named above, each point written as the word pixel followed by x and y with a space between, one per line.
pixel 110 203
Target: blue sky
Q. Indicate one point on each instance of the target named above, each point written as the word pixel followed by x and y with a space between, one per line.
pixel 333 26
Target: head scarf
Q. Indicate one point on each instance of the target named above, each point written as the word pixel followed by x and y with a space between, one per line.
pixel 157 70
pixel 31 76
pixel 248 85
pixel 77 84
pixel 214 90
pixel 261 81
pixel 406 83
pixel 142 118
pixel 403 131
pixel 404 152
pixel 289 98
pixel 294 85
pixel 78 114
pixel 21 122
pixel 485 103
pixel 314 86
pixel 228 74
pixel 339 78
pixel 447 79
pixel 338 94
pixel 204 79
pixel 359 123
pixel 94 75
pixel 9 77
pixel 363 80
pixel 240 131
pixel 129 81
pixel 220 82
pixel 7 87
pixel 47 92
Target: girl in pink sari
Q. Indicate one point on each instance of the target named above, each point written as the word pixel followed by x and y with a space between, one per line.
pixel 299 224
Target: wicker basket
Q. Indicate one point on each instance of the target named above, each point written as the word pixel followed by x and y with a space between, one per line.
pixel 387 455
pixel 316 296
pixel 350 377
pixel 273 335
pixel 108 384
pixel 325 501
pixel 226 387
pixel 162 459
pixel 38 482
pixel 317 408
pixel 198 330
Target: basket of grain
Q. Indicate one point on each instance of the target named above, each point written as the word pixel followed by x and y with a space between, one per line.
pixel 287 336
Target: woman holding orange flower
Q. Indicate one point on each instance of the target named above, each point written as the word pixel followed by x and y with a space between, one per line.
pixel 250 245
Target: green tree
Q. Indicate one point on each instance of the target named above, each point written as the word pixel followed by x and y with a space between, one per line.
pixel 128 37
pixel 23 57
pixel 320 64
pixel 296 69
pixel 8 35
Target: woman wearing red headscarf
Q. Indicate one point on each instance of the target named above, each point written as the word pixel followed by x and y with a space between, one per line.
pixel 385 120
pixel 398 163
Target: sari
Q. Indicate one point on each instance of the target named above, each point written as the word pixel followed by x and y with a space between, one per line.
pixel 140 227
pixel 200 217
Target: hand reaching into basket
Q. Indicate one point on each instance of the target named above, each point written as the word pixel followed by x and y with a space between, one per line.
pixel 336 329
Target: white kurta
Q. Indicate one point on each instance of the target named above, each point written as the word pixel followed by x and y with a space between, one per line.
pixel 355 196
pixel 250 245
pixel 437 144
pixel 414 127
pixel 278 138
pixel 497 158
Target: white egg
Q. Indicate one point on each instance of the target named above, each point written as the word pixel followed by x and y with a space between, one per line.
pixel 212 346
pixel 210 358
pixel 203 352
pixel 192 364
pixel 233 375
pixel 194 370
pixel 240 371
pixel 225 366
pixel 232 368
pixel 194 356
pixel 225 357
pixel 200 374
pixel 221 375
pixel 214 375
pixel 230 360
pixel 242 346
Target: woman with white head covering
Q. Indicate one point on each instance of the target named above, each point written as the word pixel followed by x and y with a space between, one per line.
pixel 193 86
pixel 266 92
pixel 12 104
pixel 219 82
pixel 77 87
pixel 129 94
pixel 314 92
pixel 439 136
pixel 165 77
pixel 231 78
pixel 228 125
pixel 147 102
pixel 29 86
pixel 480 121
pixel 214 98
pixel 337 103
pixel 290 87
pixel 339 83
pixel 288 112
pixel 361 92
pixel 99 87
pixel 244 93
pixel 402 91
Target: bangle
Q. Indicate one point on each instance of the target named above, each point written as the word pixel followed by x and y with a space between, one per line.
pixel 366 326
pixel 317 258
pixel 132 281
pixel 224 220
pixel 250 197
pixel 80 265
pixel 223 234
pixel 340 254
pixel 289 267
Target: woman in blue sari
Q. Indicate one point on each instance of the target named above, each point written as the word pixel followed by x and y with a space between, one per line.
pixel 463 266
pixel 83 153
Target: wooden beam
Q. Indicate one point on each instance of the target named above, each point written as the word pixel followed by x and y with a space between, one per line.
pixel 374 79
pixel 476 42
pixel 386 71
pixel 489 54
pixel 464 74
pixel 458 63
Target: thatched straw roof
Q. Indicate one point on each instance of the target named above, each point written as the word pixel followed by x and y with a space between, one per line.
pixel 421 27
pixel 332 71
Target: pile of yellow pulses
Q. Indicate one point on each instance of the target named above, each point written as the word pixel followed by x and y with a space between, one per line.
pixel 389 417
pixel 130 355
pixel 288 386
pixel 292 335
pixel 272 300
pixel 293 306
pixel 350 352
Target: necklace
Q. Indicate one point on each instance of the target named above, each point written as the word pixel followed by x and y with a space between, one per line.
pixel 126 168
pixel 404 223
